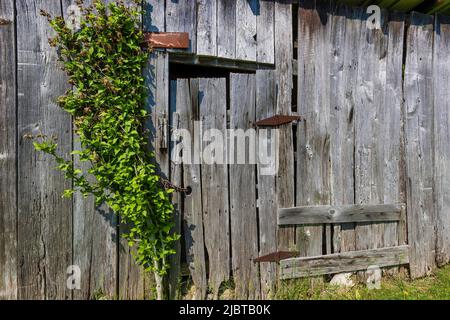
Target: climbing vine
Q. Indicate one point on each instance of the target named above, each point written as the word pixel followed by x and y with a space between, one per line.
pixel 104 60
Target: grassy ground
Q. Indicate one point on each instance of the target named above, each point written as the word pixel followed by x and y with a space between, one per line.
pixel 436 287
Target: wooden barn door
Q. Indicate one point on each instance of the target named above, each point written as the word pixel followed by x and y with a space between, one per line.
pixel 218 218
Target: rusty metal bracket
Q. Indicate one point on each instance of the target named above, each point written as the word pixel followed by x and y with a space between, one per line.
pixel 169 185
pixel 174 40
pixel 277 256
pixel 4 22
pixel 277 120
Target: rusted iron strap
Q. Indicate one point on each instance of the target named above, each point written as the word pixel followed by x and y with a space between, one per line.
pixel 175 40
pixel 4 22
pixel 169 185
pixel 277 120
pixel 277 256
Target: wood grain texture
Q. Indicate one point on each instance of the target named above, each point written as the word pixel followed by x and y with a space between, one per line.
pixel 176 177
pixel 441 78
pixel 226 28
pixel 207 27
pixel 213 111
pixel 94 243
pixel 283 81
pixel 154 15
pixel 181 16
pixel 313 134
pixel 188 111
pixel 390 143
pixel 369 166
pixel 265 28
pixel 8 156
pixel 343 71
pixel 339 214
pixel 244 232
pixel 267 207
pixel 343 262
pixel 246 37
pixel 45 219
pixel 419 138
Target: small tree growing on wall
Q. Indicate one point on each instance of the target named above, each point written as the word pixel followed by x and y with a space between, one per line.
pixel 104 60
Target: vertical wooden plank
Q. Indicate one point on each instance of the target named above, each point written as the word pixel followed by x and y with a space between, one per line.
pixel 188 111
pixel 283 76
pixel 313 134
pixel 153 15
pixel 344 52
pixel 45 218
pixel 389 141
pixel 207 27
pixel 419 138
pixel 441 78
pixel 181 16
pixel 246 12
pixel 244 232
pixel 226 28
pixel 94 243
pixel 213 111
pixel 267 208
pixel 265 28
pixel 176 177
pixel 369 118
pixel 8 157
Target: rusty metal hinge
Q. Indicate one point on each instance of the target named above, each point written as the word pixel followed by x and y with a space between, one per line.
pixel 277 256
pixel 4 22
pixel 169 185
pixel 277 120
pixel 174 40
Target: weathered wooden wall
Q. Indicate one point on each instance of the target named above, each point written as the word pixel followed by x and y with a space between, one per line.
pixel 359 142
pixel 372 133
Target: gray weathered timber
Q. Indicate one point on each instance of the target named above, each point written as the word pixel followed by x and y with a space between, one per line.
pixel 343 71
pixel 343 262
pixel 226 28
pixel 370 99
pixel 157 104
pixel 267 207
pixel 207 27
pixel 246 37
pixel 176 177
pixel 94 243
pixel 244 232
pixel 217 62
pixel 154 15
pixel 418 93
pixel 157 77
pixel 181 16
pixel 313 136
pixel 188 112
pixel 8 156
pixel 45 219
pixel 391 173
pixel 265 50
pixel 213 114
pixel 283 80
pixel 441 78
pixel 339 214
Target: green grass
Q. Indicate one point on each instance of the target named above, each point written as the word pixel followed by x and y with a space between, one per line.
pixel 434 287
